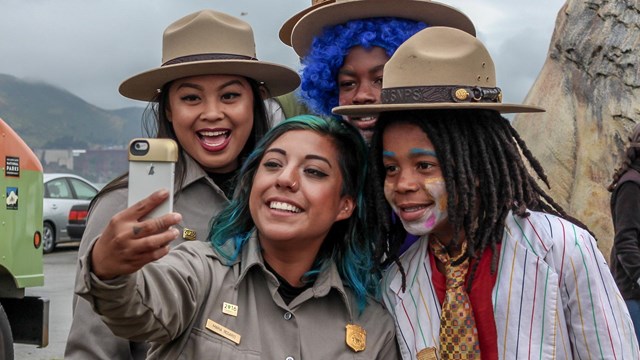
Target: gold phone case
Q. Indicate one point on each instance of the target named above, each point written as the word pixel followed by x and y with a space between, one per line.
pixel 152 167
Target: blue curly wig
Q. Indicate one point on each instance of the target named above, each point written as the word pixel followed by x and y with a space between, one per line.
pixel 319 88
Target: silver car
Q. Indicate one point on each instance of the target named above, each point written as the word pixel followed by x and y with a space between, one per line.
pixel 61 192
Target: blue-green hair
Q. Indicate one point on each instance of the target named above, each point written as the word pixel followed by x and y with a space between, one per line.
pixel 348 242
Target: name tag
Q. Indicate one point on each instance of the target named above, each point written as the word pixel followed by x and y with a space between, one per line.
pixel 223 331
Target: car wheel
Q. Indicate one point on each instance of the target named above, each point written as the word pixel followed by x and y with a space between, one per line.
pixel 48 238
pixel 6 339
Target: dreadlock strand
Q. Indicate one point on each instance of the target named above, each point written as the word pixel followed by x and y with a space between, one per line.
pixel 539 170
pixel 442 143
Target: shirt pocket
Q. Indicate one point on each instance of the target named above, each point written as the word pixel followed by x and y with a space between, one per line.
pixel 203 344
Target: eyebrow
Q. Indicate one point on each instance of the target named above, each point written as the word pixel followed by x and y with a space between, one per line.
pixel 387 153
pixel 308 157
pixel 198 87
pixel 373 70
pixel 416 151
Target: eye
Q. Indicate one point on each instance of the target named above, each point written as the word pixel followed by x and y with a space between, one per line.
pixel 271 164
pixel 378 82
pixel 190 98
pixel 230 96
pixel 316 173
pixel 346 84
pixel 391 169
pixel 423 165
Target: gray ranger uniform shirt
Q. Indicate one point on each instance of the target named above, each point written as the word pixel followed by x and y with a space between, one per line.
pixel 181 304
pixel 198 201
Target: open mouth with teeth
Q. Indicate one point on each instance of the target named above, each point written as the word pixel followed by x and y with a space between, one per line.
pixel 365 123
pixel 412 212
pixel 214 140
pixel 413 208
pixel 282 206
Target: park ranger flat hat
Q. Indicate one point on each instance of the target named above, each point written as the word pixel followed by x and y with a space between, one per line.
pixel 209 42
pixel 439 68
pixel 314 20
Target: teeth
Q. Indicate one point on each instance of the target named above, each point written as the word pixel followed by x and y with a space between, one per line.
pixel 213 133
pixel 284 206
pixel 413 208
pixel 368 118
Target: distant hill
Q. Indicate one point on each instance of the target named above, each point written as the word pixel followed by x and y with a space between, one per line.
pixel 49 117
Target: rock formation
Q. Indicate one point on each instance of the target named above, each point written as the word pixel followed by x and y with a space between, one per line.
pixel 590 86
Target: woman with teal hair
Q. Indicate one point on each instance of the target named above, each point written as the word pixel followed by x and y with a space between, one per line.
pixel 288 271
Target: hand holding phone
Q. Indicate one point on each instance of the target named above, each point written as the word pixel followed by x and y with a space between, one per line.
pixel 151 168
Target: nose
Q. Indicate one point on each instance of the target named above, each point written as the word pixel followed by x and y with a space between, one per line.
pixel 406 182
pixel 211 110
pixel 288 180
pixel 366 94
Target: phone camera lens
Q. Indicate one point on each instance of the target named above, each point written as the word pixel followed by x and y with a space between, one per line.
pixel 140 146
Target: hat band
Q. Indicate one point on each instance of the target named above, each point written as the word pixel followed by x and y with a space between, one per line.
pixel 207 57
pixel 441 94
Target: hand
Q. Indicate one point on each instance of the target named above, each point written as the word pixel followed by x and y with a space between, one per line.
pixel 127 244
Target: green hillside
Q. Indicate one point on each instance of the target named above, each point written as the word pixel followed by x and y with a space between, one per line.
pixel 49 117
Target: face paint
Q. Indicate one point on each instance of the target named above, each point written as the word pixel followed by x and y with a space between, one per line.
pixel 434 215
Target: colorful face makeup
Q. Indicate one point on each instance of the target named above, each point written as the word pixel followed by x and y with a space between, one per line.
pixel 422 219
pixel 414 185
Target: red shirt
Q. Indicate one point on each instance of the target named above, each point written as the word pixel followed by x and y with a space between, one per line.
pixel 480 297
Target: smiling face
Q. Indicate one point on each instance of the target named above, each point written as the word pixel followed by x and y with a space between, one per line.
pixel 360 83
pixel 212 116
pixel 414 186
pixel 296 193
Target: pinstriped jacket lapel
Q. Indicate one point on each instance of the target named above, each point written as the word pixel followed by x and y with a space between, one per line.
pixel 417 308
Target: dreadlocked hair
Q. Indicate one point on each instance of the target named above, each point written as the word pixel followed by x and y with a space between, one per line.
pixel 482 161
pixel 632 155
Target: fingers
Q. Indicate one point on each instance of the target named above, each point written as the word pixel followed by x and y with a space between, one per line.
pixel 150 243
pixel 146 205
pixel 154 226
pixel 127 243
pixel 115 256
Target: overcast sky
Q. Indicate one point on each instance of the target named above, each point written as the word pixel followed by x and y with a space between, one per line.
pixel 89 46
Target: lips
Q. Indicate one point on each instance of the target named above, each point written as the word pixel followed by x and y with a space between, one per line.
pixel 412 212
pixel 363 123
pixel 214 140
pixel 283 206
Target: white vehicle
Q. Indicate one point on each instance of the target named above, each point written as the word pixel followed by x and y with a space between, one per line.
pixel 61 192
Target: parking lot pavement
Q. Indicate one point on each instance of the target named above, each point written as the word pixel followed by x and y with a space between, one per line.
pixel 59 277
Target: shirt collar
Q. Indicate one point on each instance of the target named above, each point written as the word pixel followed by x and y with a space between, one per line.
pixel 329 278
pixel 194 172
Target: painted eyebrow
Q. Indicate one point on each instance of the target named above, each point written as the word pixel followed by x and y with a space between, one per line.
pixel 387 153
pixel 308 157
pixel 416 151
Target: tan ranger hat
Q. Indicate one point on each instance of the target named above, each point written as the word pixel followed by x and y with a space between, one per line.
pixel 209 42
pixel 314 21
pixel 439 68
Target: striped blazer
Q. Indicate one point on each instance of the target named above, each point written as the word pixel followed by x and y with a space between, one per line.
pixel 554 296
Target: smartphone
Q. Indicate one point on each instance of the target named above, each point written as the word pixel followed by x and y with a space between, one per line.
pixel 152 164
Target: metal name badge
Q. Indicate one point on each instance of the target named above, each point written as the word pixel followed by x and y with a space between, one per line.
pixel 356 337
pixel 223 331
